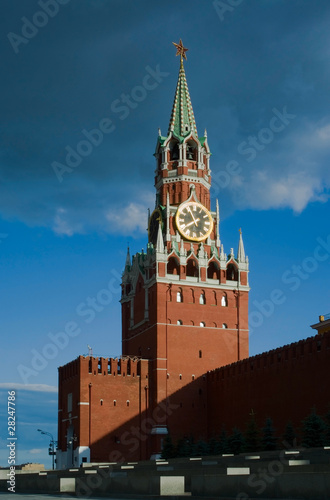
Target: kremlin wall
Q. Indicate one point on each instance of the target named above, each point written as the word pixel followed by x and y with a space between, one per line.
pixel 284 384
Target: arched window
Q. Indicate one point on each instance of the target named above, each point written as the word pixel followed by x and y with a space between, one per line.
pixel 179 296
pixel 224 325
pixel 202 299
pixel 231 273
pixel 174 151
pixel 224 300
pixel 191 151
pixel 179 322
pixel 192 268
pixel 173 266
pixel 192 296
pixel 213 271
pixel 202 324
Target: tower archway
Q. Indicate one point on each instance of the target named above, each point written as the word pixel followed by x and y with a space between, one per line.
pixel 192 268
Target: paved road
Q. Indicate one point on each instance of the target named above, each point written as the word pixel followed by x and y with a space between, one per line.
pixel 24 496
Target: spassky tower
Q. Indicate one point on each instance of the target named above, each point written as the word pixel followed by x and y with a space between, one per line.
pixel 184 300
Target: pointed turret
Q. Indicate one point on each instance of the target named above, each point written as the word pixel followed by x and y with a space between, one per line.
pixel 128 260
pixel 182 121
pixel 160 241
pixel 241 251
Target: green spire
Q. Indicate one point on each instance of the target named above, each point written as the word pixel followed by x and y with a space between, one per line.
pixel 182 121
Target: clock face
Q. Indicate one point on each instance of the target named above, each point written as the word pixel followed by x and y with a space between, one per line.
pixel 193 221
pixel 155 219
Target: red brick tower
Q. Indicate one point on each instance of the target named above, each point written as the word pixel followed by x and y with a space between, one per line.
pixel 184 301
pixel 184 312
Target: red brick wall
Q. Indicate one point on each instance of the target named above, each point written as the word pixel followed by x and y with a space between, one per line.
pixel 68 382
pixel 220 344
pixel 181 354
pixel 182 191
pixel 101 424
pixel 284 384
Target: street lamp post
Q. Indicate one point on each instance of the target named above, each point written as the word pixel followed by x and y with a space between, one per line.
pixel 51 450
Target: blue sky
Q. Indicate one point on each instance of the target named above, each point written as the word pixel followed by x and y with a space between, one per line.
pixel 259 79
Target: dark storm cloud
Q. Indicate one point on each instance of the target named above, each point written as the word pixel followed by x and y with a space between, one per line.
pixel 264 55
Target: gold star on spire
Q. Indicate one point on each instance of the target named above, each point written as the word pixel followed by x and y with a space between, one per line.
pixel 180 50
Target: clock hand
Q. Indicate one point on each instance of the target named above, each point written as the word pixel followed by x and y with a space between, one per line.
pixel 192 222
pixel 189 209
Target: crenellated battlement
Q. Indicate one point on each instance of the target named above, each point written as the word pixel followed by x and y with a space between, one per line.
pixel 119 366
pixel 89 365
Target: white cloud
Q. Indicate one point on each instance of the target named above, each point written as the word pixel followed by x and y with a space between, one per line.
pixel 36 451
pixel 131 219
pixel 33 424
pixel 312 138
pixel 62 226
pixel 109 217
pixel 13 386
pixel 323 134
pixel 295 190
pixel 289 174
